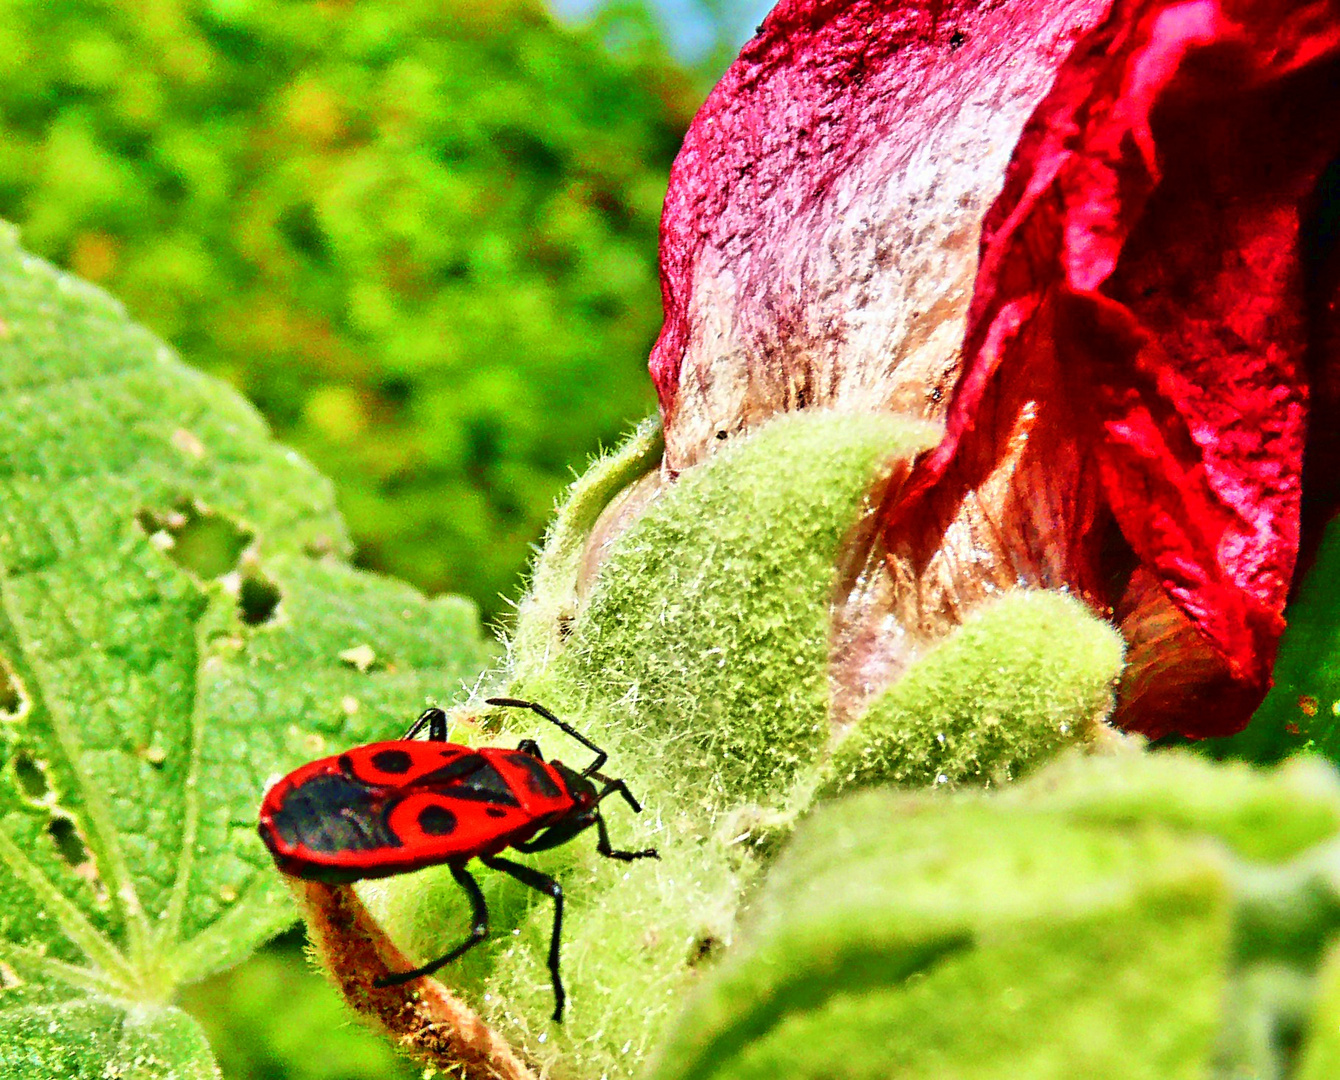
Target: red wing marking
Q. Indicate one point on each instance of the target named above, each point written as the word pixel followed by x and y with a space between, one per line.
pixel 538 778
pixel 439 826
pixel 407 763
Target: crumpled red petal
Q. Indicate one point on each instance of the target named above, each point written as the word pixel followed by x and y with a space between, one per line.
pixel 1155 218
pixel 1151 305
pixel 820 230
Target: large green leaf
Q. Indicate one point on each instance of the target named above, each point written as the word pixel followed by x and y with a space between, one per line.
pixel 264 1018
pixel 405 228
pixel 1137 916
pixel 176 627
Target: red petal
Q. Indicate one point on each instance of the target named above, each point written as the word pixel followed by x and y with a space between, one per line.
pixel 820 231
pixel 1152 219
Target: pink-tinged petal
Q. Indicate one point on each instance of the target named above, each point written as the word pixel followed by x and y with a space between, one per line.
pixel 821 228
pixel 1145 264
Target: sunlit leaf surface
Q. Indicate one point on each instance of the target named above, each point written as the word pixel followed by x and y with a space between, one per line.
pixel 176 627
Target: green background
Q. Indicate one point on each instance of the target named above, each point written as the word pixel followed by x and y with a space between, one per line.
pixel 420 237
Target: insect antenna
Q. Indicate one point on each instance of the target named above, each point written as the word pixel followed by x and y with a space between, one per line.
pixel 435 720
pixel 517 703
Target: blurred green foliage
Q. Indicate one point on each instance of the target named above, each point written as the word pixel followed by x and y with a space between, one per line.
pixel 419 235
pixel 276 1018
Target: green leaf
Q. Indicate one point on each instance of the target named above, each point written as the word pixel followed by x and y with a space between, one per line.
pixel 175 629
pixel 1269 817
pixel 403 287
pixel 266 1016
pixel 1302 710
pixel 101 1038
pixel 1320 1058
pixel 1051 930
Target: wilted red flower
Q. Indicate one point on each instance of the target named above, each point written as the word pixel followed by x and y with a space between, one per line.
pixel 1095 241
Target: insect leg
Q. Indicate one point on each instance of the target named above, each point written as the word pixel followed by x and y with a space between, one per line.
pixel 603 845
pixel 435 719
pixel 517 703
pixel 479 930
pixel 611 786
pixel 547 885
pixel 558 834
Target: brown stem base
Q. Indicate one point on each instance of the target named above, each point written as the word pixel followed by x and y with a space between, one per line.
pixel 425 1019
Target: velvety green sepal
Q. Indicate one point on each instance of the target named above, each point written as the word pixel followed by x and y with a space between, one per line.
pixel 699 659
pixel 545 615
pixel 1022 678
pixel 1153 916
pixel 709 622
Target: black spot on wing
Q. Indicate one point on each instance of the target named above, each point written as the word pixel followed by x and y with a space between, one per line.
pixel 537 776
pixel 329 814
pixel 392 761
pixel 437 820
pixel 495 812
pixel 480 782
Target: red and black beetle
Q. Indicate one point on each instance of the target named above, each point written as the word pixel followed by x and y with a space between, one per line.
pixel 392 807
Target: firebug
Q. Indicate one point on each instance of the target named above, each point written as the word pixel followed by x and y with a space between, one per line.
pixel 397 806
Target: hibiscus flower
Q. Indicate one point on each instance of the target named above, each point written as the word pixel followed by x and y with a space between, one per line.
pixel 1094 241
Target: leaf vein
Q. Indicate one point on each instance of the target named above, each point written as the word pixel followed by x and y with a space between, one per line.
pixel 103 838
pixel 73 922
pixel 88 979
pixel 176 904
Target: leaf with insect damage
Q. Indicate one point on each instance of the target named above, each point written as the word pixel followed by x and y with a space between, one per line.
pixel 176 627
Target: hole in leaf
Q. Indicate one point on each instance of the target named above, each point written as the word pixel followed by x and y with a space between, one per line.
pixel 68 842
pixel 31 777
pixel 71 847
pixel 361 657
pixel 196 539
pixel 13 700
pixel 257 600
pixel 705 949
